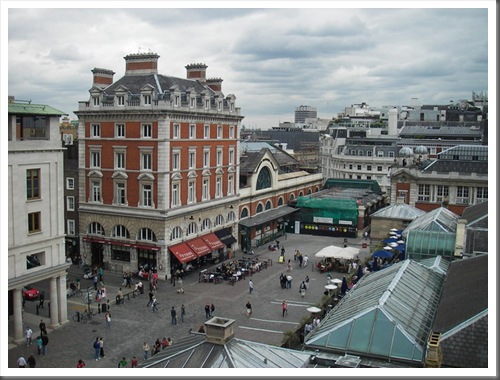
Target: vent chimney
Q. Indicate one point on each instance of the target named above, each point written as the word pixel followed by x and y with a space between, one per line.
pixel 141 63
pixel 102 77
pixel 434 355
pixel 219 330
pixel 215 84
pixel 197 71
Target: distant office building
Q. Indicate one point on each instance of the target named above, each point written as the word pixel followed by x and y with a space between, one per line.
pixel 305 112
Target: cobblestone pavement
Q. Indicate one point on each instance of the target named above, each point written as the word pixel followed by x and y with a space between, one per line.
pixel 133 323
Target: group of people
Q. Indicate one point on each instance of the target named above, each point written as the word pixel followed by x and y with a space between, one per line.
pixel 42 340
pixel 209 311
pixel 302 259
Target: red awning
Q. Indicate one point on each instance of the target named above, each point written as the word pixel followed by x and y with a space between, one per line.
pixel 199 247
pixel 183 253
pixel 212 241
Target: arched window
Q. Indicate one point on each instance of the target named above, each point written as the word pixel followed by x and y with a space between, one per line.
pixel 96 229
pixel 206 225
pixel 280 201
pixel 231 216
pixel 176 233
pixel 264 179
pixel 301 194
pixel 268 205
pixel 259 208
pixel 309 192
pixel 121 231
pixel 146 234
pixel 192 228
pixel 219 220
pixel 244 213
pixel 292 197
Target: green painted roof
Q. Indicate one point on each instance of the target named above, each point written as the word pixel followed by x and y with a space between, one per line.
pixel 366 184
pixel 33 109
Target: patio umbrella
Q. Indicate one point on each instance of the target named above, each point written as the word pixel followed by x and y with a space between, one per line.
pixel 393 245
pixel 387 248
pixel 389 240
pixel 400 242
pixel 393 233
pixel 400 248
pixel 344 286
pixel 336 281
pixel 394 229
pixel 382 254
pixel 313 309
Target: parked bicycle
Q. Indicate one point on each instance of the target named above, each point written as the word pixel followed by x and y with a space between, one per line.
pixel 83 316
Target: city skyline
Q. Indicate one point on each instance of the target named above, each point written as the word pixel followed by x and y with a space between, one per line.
pixel 272 59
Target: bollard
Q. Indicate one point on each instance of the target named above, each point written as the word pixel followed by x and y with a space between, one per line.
pixel 98 308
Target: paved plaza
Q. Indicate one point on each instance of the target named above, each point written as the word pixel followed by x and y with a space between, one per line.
pixel 134 323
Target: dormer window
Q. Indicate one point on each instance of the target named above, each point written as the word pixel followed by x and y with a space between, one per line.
pixel 176 100
pixel 147 100
pixel 207 104
pixel 193 102
pixel 120 100
pixel 95 100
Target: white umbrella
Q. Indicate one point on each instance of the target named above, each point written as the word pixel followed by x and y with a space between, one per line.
pixel 387 248
pixel 313 309
pixel 393 244
pixel 331 287
pixel 400 242
pixel 336 281
pixel 394 229
pixel 392 233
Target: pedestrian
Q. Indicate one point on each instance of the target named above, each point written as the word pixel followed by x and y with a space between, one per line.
pixel 31 361
pixel 212 310
pixel 151 294
pixel 45 342
pixel 301 259
pixel 248 307
pixel 295 255
pixel 43 327
pixel 289 265
pixel 366 235
pixel 108 319
pixel 28 333
pixel 306 281
pixel 133 362
pixel 80 364
pixel 183 313
pixel 282 281
pixel 41 299
pixel 284 308
pixel 288 282
pixel 145 348
pixel 207 311
pixel 304 263
pixel 302 289
pixel 173 313
pixel 21 362
pixel 250 286
pixel 123 363
pixel 95 280
pixel 180 290
pixel 101 347
pixel 101 273
pixel 97 349
pixel 39 344
pixel 154 305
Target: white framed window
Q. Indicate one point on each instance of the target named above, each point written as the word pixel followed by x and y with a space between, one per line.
pixel 120 130
pixel 120 193
pixel 192 159
pixel 192 102
pixel 218 187
pixel 70 227
pixel 191 192
pixel 70 203
pixel 192 228
pixel 147 195
pixel 206 157
pixel 95 159
pixel 231 217
pixel 147 234
pixel 231 132
pixel 192 131
pixel 206 131
pixel 219 105
pixel 219 220
pixel 176 233
pixel 147 130
pixel 96 101
pixel 219 131
pixel 95 191
pixel 391 154
pixel 380 153
pixel 146 99
pixel 442 191
pixel 176 133
pixel 206 224
pixel 95 130
pixel 424 193
pixel 379 168
pixel 96 229
pixel 120 231
pixel 205 194
pixel 175 195
pixel 207 104
pixel 463 195
pixel 219 157
pixel 119 160
pixel 176 100
pixel 120 100
pixel 176 160
pixel 231 156
pixel 359 167
pixel 146 161
pixel 369 168
pixel 70 183
pixel 481 194
pixel 230 185
pixel 350 166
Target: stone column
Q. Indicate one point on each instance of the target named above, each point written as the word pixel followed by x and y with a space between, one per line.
pixel 63 307
pixel 54 303
pixel 18 315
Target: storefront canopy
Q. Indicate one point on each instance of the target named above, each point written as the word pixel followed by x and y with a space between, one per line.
pixel 183 252
pixel 199 247
pixel 212 241
pixel 267 216
pixel 225 236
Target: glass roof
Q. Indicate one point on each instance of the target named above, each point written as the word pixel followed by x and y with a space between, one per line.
pixel 388 314
pixel 440 220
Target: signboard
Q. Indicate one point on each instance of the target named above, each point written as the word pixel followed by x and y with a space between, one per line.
pixel 321 219
pixel 347 222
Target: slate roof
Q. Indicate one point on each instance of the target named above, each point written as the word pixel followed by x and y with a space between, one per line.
pixel 409 131
pixel 398 211
pixel 462 159
pixel 254 151
pixel 475 212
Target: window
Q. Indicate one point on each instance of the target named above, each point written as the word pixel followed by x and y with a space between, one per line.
pixel 147 130
pixel 95 130
pixel 206 158
pixel 147 195
pixel 207 104
pixel 119 160
pixel 379 168
pixel 96 229
pixel 244 213
pixel 442 192
pixel 353 152
pixel 358 177
pixel 463 195
pixel 95 187
pixel 263 179
pixel 192 102
pixel 175 195
pixel 391 154
pixel 268 205
pixel 70 203
pixel 218 187
pixel 368 177
pixel 191 192
pixel 219 157
pixel 120 193
pixel 70 227
pixel 192 131
pixel 70 183
pixel 231 132
pixel 206 224
pixel 219 220
pixel 176 133
pixel 424 192
pixel 259 208
pixel 380 153
pixel 121 231
pixel 121 100
pixel 205 195
pixel 33 184
pixel 35 260
pixel 206 131
pixel 120 130
pixel 359 167
pixel 192 228
pixel 231 216
pixel 280 201
pixel 176 100
pixel 176 160
pixel 176 233
pixel 481 194
pixel 192 159
pixel 34 220
pixel 95 100
pixel 95 159
pixel 230 185
pixel 369 168
pixel 147 161
pixel 350 166
pixel 360 153
pixel 231 156
pixel 219 131
pixel 369 153
pixel 147 100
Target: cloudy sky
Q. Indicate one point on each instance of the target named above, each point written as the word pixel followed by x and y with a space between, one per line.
pixel 271 59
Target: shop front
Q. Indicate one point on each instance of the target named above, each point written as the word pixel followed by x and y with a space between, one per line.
pixel 197 252
pixel 226 237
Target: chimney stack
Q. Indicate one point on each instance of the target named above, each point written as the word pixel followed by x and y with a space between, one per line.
pixel 219 330
pixel 393 122
pixel 215 84
pixel 102 77
pixel 141 63
pixel 197 71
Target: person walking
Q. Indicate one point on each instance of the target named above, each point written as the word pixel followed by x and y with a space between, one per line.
pixel 101 347
pixel 306 281
pixel 31 361
pixel 284 308
pixel 302 289
pixel 133 362
pixel 45 342
pixel 248 307
pixel 288 282
pixel 39 344
pixel 108 319
pixel 21 362
pixel 43 327
pixel 97 349
pixel 41 299
pixel 101 273
pixel 304 262
pixel 28 333
pixel 212 310
pixel 183 313
pixel 154 305
pixel 151 295
pixel 173 313
pixel 180 289
pixel 289 265
pixel 145 348
pixel 250 286
pixel 207 311
pixel 95 280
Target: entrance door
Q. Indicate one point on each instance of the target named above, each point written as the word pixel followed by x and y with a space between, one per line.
pixel 147 258
pixel 97 254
